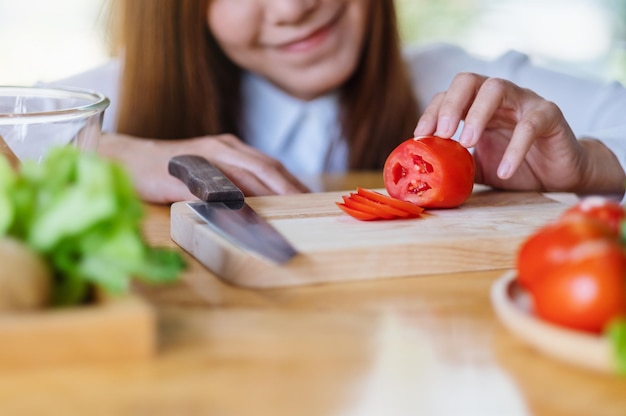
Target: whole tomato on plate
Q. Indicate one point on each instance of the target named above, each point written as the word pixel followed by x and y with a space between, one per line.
pixel 574 269
pixel 586 292
pixel 602 209
pixel 554 244
pixel 430 171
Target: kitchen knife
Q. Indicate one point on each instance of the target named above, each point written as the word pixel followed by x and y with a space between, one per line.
pixel 224 209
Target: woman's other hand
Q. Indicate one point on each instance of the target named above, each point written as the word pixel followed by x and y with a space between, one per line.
pixel 521 141
pixel 147 162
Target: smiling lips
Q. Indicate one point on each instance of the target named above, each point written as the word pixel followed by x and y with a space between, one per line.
pixel 313 39
pixel 308 42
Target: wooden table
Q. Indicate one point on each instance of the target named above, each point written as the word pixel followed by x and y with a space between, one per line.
pixel 413 346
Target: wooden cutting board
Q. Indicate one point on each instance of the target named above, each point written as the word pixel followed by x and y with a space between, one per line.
pixel 482 234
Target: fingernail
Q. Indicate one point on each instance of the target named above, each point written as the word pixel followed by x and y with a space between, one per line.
pixel 467 136
pixel 504 170
pixel 419 129
pixel 443 127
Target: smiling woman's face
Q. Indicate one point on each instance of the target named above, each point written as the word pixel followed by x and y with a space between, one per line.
pixel 305 47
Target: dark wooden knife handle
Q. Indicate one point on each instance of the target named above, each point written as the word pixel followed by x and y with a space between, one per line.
pixel 203 179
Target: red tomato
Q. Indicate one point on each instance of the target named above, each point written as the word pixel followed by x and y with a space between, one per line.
pixel 430 171
pixel 552 245
pixel 587 292
pixel 602 209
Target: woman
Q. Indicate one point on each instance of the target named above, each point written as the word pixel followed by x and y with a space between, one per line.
pixel 268 88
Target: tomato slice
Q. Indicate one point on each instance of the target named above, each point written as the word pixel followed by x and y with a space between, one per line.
pixel 406 206
pixel 369 205
pixel 430 171
pixel 359 215
pixel 353 203
pixel 383 209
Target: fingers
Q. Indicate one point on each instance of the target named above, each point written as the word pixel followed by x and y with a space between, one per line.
pixel 253 171
pixel 543 120
pixel 491 96
pixel 262 179
pixel 444 113
pixel 147 162
pixel 497 107
pixel 427 123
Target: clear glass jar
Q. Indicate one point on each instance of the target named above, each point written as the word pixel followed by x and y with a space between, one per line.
pixel 35 119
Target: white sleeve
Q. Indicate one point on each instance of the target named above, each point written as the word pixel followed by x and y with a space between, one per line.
pixel 103 79
pixel 592 108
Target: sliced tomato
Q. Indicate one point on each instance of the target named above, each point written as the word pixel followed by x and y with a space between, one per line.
pixel 406 206
pixel 379 211
pixel 384 209
pixel 359 215
pixel 369 205
pixel 430 171
pixel 602 209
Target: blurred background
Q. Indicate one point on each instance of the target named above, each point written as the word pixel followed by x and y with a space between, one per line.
pixel 46 40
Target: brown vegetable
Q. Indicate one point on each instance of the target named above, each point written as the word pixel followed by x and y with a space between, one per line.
pixel 25 278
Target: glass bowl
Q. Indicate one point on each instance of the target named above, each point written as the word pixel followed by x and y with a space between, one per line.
pixel 35 119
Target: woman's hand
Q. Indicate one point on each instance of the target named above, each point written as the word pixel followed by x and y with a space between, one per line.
pixel 521 141
pixel 147 162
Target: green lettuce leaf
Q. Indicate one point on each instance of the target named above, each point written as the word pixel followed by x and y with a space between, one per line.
pixel 617 337
pixel 82 214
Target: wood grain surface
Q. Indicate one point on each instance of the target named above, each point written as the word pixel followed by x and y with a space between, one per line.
pixel 482 234
pixel 419 345
pixel 112 330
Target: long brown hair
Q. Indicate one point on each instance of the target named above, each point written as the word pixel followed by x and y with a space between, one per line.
pixel 178 83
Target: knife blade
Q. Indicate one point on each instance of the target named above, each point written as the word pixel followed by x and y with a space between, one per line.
pixel 224 209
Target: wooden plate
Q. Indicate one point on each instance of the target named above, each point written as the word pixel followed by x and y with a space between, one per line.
pixel 513 307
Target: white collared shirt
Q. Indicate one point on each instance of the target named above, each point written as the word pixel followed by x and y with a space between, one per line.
pixel 304 135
